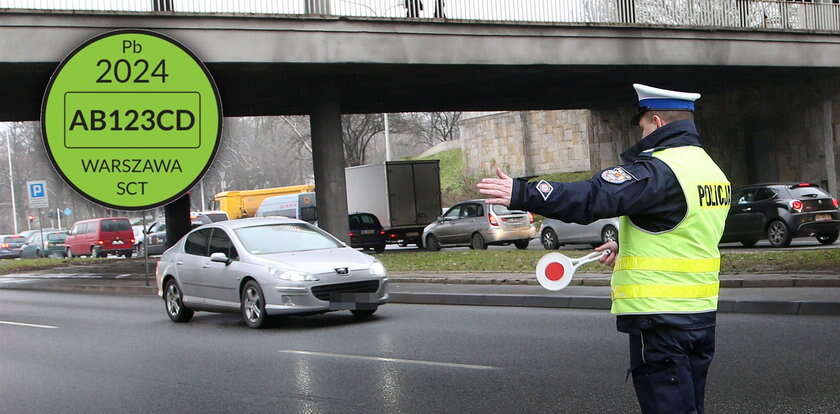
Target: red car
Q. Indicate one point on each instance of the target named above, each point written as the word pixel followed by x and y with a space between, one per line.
pixel 100 237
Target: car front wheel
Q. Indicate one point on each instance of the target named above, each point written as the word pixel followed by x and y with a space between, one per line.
pixel 253 305
pixel 549 240
pixel 828 238
pixel 432 243
pixel 174 301
pixel 778 234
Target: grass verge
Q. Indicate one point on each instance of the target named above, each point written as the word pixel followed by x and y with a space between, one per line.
pixel 525 261
pixel 26 265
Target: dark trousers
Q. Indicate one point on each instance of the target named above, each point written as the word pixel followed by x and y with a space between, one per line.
pixel 669 368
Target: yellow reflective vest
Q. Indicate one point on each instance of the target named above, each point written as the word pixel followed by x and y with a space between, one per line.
pixel 675 271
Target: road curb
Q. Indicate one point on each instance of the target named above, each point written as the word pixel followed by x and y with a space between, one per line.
pixel 603 303
pixel 724 283
pixel 500 299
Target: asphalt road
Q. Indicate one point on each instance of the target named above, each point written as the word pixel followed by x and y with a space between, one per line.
pixel 108 354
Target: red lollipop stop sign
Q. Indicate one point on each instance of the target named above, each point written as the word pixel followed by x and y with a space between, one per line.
pixel 555 270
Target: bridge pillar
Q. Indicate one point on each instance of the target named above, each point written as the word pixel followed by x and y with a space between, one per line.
pixel 177 219
pixel 328 161
pixel 828 136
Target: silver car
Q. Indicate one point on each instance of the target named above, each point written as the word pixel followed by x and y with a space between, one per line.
pixel 555 233
pixel 267 266
pixel 477 224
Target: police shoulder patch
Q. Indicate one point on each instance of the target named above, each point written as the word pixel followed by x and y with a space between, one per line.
pixel 617 175
pixel 545 189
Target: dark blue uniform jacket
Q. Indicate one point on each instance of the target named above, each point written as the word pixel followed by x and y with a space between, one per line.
pixel 651 197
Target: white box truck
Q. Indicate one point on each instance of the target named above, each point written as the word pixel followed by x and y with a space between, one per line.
pixel 403 195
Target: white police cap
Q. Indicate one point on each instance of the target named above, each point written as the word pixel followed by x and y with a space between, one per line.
pixel 655 99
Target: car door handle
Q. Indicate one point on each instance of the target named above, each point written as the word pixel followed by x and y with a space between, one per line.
pixel 179 262
pixel 205 266
pixel 747 209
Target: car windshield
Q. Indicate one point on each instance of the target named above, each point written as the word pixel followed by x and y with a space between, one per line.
pixel 808 192
pixel 284 238
pixel 502 210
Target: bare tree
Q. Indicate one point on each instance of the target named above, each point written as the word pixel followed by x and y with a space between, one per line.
pixel 359 131
pixel 431 127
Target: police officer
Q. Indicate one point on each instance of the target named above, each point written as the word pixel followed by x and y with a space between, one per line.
pixel 672 200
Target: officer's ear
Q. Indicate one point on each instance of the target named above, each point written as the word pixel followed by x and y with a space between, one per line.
pixel 656 119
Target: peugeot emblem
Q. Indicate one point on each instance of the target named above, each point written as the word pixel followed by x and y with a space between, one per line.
pixel 342 270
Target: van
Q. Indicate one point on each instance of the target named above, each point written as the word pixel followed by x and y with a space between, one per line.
pixel 296 206
pixel 99 237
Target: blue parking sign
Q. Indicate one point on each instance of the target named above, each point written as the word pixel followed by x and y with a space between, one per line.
pixel 37 194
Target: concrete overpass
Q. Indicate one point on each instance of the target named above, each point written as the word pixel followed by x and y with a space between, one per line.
pixel 327 65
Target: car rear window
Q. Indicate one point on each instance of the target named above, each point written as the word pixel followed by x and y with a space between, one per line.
pixel 359 219
pixel 216 217
pixel 502 210
pixel 56 237
pixel 284 238
pixel 808 192
pixel 116 225
pixel 14 239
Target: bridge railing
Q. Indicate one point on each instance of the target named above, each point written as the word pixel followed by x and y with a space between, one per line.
pixel 820 15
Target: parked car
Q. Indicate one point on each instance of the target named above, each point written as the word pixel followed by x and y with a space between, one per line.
pixel 555 233
pixel 11 245
pixel 207 217
pixel 366 232
pixel 154 240
pixel 477 224
pixel 267 266
pixel 100 237
pixel 779 212
pixel 52 245
pixel 29 234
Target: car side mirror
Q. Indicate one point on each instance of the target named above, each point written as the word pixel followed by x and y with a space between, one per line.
pixel 220 257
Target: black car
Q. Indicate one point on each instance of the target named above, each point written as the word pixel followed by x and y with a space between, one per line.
pixel 780 212
pixel 366 232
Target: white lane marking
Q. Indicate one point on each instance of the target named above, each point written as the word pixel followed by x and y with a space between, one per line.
pixel 28 325
pixel 382 359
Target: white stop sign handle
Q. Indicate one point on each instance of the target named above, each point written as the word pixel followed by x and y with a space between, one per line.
pixel 555 270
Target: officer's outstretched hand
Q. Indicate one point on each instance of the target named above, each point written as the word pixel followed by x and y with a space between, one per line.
pixel 498 188
pixel 608 260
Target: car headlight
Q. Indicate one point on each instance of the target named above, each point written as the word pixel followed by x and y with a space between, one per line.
pixel 377 269
pixel 292 275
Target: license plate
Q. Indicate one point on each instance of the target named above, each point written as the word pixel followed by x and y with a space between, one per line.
pixel 412 234
pixel 368 231
pixel 117 242
pixel 823 217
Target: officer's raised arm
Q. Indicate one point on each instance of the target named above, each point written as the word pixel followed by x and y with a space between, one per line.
pixel 626 190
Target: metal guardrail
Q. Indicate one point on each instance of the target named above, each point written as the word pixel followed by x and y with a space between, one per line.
pixel 819 15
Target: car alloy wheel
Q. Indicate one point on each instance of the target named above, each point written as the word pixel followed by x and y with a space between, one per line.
pixel 549 240
pixel 778 234
pixel 478 242
pixel 609 234
pixel 432 243
pixel 253 305
pixel 174 302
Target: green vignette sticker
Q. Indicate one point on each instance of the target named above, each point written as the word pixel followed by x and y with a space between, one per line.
pixel 131 119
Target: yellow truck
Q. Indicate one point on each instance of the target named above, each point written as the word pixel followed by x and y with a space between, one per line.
pixel 241 204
